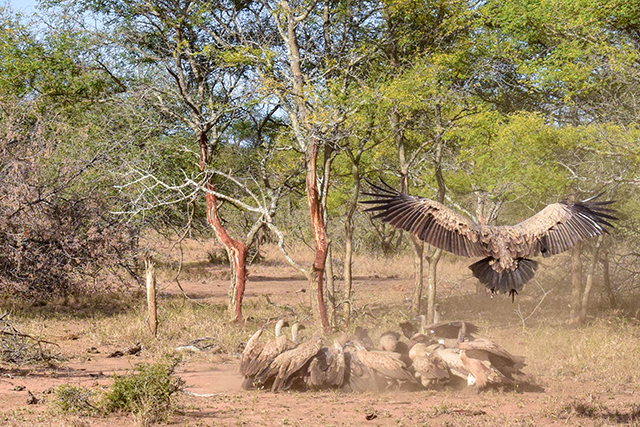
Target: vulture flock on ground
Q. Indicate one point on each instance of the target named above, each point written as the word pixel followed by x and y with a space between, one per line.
pixel 434 356
pixel 505 267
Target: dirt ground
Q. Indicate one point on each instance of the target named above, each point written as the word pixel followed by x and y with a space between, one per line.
pixel 213 395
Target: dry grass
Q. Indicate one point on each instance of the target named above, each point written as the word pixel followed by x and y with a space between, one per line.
pixel 561 358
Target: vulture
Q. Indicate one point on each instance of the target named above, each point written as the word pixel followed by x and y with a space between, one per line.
pixel 327 368
pixel 505 266
pixel 481 372
pixel 453 359
pixel 429 368
pixel 362 335
pixel 493 355
pixel 375 370
pixel 256 358
pixel 289 367
pixel 359 377
pixel 408 328
pixel 390 341
pixel 488 363
pixel 446 329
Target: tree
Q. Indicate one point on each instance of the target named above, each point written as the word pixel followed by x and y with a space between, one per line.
pixel 57 193
pixel 194 75
pixel 318 41
pixel 425 89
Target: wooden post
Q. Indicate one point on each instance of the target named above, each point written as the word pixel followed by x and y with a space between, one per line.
pixel 151 295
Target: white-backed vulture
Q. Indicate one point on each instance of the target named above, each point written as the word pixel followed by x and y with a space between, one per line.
pixel 408 329
pixel 359 377
pixel 290 365
pixel 429 368
pixel 499 358
pixel 505 267
pixel 327 368
pixel 451 357
pixel 390 341
pixel 446 329
pixel 389 371
pixel 362 334
pixel 260 357
pixel 250 351
pixel 482 372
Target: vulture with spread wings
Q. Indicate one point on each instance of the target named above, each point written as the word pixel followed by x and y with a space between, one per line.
pixel 505 267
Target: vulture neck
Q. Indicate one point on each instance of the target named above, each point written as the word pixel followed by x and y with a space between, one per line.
pixel 423 323
pixel 279 326
pixel 462 331
pixel 295 333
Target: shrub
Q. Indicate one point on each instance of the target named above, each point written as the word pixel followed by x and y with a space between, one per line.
pixel 75 399
pixel 147 392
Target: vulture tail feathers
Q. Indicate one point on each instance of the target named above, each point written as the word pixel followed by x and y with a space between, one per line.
pixel 505 282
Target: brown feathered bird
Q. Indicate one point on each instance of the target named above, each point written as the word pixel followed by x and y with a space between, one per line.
pixel 429 368
pixel 495 356
pixel 256 358
pixel 327 368
pixel 290 365
pixel 379 370
pixel 505 267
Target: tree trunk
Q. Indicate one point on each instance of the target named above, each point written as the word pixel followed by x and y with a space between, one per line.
pixel 349 226
pixel 432 282
pixel 418 276
pixel 330 291
pixel 587 287
pixel 434 259
pixel 576 282
pixel 235 248
pixel 304 131
pixel 319 234
pixel 606 278
pixel 348 274
pixel 331 285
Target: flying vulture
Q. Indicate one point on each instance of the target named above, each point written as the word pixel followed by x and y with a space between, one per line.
pixel 505 267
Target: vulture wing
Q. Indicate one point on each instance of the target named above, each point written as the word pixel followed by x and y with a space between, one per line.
pixel 250 352
pixel 359 377
pixel 482 370
pixel 451 329
pixel 287 365
pixel 327 368
pixel 429 220
pixel 560 226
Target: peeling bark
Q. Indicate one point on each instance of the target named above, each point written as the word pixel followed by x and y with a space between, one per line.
pixel 235 248
pixel 152 308
pixel 319 234
pixel 418 278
